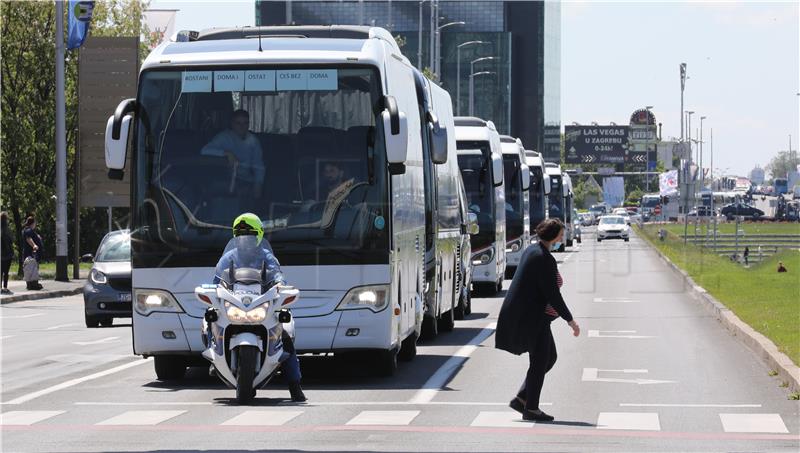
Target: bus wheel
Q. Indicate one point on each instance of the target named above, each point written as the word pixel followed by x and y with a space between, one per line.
pixel 498 287
pixel 408 348
pixel 460 310
pixel 430 328
pixel 169 368
pixel 447 322
pixel 562 248
pixel 387 363
pixel 468 305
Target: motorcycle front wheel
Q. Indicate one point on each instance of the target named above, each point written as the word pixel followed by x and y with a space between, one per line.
pixel 245 374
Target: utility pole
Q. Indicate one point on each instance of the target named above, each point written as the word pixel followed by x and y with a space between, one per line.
pixel 61 151
pixel 431 55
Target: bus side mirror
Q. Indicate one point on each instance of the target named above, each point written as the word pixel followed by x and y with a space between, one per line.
pixel 497 170
pixel 395 127
pixel 526 177
pixel 438 135
pixel 472 224
pixel 546 179
pixel 116 139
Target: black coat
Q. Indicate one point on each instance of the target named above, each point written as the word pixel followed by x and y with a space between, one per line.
pixel 534 286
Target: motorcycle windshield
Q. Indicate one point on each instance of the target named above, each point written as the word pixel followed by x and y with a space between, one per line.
pixel 247 252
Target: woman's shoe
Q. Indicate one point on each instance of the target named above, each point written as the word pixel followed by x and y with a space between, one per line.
pixel 6 291
pixel 518 405
pixel 537 416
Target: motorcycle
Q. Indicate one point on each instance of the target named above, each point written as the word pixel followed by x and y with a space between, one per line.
pixel 247 323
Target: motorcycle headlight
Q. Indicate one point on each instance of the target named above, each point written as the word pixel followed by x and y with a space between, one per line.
pixel 238 316
pixel 153 300
pixel 98 277
pixel 374 298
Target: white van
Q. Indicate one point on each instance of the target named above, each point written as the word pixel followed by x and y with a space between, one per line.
pixel 338 184
pixel 481 163
pixel 516 179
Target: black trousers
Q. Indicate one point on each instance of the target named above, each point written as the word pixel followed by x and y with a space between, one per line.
pixel 6 267
pixel 542 358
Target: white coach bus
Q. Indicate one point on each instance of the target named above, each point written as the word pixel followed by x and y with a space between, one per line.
pixel 516 179
pixel 481 163
pixel 332 165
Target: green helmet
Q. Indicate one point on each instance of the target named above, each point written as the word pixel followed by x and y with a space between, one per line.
pixel 248 224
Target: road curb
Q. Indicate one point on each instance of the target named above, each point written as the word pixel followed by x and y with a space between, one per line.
pixel 41 295
pixel 762 346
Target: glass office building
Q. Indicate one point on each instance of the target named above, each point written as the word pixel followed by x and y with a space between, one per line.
pixel 516 81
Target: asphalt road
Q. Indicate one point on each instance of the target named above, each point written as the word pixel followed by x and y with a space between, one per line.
pixel 651 371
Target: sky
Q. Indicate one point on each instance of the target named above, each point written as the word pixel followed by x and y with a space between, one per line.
pixel 743 63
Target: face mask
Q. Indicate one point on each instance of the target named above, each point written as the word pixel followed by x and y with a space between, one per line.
pixel 555 246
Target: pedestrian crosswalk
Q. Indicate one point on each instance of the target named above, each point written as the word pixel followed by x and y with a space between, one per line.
pixel 283 416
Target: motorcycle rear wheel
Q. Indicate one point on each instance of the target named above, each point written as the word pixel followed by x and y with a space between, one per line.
pixel 245 374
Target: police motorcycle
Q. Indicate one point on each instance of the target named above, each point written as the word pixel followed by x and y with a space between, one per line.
pixel 247 322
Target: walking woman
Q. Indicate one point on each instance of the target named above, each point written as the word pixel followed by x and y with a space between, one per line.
pixel 532 302
pixel 7 251
pixel 32 253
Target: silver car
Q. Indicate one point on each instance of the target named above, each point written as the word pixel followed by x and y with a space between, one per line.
pixel 107 293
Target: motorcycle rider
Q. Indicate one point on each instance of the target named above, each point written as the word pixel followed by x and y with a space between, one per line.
pixel 248 224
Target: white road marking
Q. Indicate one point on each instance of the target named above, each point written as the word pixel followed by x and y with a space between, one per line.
pixel 449 368
pixel 616 334
pixel 100 341
pixel 617 300
pixel 329 403
pixel 263 418
pixel 384 418
pixel 60 326
pixel 592 375
pixel 753 423
pixel 690 405
pixel 505 419
pixel 32 315
pixel 149 418
pixel 76 381
pixel 640 421
pixel 26 417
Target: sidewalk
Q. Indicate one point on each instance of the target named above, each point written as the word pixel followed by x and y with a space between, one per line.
pixel 51 289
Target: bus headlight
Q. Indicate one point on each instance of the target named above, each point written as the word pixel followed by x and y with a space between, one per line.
pixel 374 298
pixel 484 257
pixel 514 246
pixel 153 300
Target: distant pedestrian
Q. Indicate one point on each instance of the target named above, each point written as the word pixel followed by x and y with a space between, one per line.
pixel 532 302
pixel 7 251
pixel 32 253
pixel 746 255
pixel 780 267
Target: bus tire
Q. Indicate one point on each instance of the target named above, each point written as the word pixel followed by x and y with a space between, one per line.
pixel 460 310
pixel 569 242
pixel 387 363
pixel 447 322
pixel 169 368
pixel 408 348
pixel 468 305
pixel 430 328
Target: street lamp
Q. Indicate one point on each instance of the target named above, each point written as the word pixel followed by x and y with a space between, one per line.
pixel 472 63
pixel 419 36
pixel 472 89
pixel 458 70
pixel 700 150
pixel 438 37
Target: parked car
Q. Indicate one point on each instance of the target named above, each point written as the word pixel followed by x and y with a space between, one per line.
pixel 740 209
pixel 701 211
pixel 107 292
pixel 613 227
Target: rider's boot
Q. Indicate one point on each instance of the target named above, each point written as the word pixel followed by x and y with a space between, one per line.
pixel 296 392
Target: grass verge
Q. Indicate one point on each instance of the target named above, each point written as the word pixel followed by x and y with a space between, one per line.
pixel 47 270
pixel 760 296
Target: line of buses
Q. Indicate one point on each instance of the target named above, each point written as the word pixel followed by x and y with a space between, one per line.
pixel 384 209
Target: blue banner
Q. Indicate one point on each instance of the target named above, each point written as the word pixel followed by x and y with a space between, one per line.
pixel 78 18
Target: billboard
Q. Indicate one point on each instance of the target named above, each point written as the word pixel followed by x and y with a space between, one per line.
pixel 595 144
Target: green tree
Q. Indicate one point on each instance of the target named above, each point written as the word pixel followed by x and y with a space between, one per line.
pixel 27 66
pixel 783 163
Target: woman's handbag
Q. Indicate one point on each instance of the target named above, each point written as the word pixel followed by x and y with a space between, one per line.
pixel 30 269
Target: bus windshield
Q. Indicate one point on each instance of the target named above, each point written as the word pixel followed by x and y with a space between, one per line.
pixel 514 196
pixel 556 198
pixel 475 169
pixel 298 147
